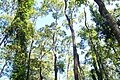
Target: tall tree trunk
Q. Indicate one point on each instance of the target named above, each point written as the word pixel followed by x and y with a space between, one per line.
pixel 54 49
pixel 55 66
pixel 98 57
pixel 74 44
pixel 112 22
pixel 28 71
pixel 75 54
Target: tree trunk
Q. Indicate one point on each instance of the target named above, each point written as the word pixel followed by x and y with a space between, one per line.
pixel 55 66
pixel 75 54
pixel 68 67
pixel 28 71
pixel 96 69
pixel 112 22
pixel 74 45
pixel 98 57
pixel 54 50
pixel 41 77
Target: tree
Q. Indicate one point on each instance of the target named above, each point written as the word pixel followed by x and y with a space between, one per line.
pixel 76 56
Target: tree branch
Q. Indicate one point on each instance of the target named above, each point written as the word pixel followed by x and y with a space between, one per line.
pixel 29 60
pixel 112 22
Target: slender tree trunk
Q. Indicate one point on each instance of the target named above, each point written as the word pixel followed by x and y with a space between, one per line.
pixel 28 71
pixel 40 71
pixel 41 77
pixel 80 68
pixel 74 45
pixel 100 74
pixel 55 66
pixel 68 67
pixel 96 69
pixel 75 54
pixel 54 50
pixel 112 22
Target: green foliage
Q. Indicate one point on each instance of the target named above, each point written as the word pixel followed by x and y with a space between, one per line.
pixel 80 2
pixel 61 66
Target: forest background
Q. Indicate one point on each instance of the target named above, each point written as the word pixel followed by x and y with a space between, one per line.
pixel 59 39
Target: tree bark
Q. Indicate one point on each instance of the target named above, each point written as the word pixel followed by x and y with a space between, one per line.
pixel 75 54
pixel 28 71
pixel 112 22
pixel 54 50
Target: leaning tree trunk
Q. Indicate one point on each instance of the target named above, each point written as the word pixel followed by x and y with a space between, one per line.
pixel 98 57
pixel 74 45
pixel 75 54
pixel 112 22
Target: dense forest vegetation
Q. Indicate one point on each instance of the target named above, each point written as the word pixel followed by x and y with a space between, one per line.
pixel 59 40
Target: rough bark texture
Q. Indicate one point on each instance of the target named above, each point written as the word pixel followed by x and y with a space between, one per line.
pixel 112 22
